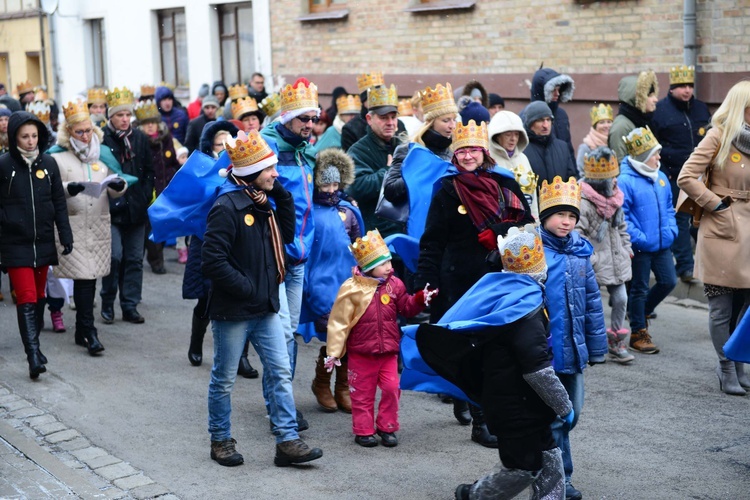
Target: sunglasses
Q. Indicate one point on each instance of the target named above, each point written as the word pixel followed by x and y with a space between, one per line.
pixel 305 119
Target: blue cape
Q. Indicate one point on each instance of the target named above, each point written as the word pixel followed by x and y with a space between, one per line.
pixel 495 300
pixel 737 347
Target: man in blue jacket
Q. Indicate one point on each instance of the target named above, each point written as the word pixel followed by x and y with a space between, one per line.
pixel 173 116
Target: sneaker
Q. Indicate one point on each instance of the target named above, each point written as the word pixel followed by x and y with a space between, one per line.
pixel 295 452
pixel 57 322
pixel 366 441
pixel 617 346
pixel 641 341
pixel 389 439
pixel 182 255
pixel 225 453
pixel 571 493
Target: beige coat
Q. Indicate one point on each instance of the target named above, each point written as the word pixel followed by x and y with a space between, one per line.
pixel 611 258
pixel 723 249
pixel 89 217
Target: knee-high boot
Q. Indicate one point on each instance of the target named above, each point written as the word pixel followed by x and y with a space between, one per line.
pixel 245 369
pixel 84 292
pixel 321 384
pixel 479 432
pixel 719 313
pixel 40 324
pixel 27 325
pixel 341 387
pixel 197 332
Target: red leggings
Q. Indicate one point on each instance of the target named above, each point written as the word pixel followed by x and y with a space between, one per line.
pixel 29 283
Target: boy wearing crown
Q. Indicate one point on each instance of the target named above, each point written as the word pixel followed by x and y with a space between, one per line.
pixel 243 256
pixel 363 324
pixel 577 330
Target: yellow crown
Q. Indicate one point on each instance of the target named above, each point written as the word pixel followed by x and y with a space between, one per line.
pixel 146 110
pixel 521 251
pixel 299 97
pixel 40 109
pixel 271 104
pixel 639 141
pixel 405 108
pixel 382 96
pixel 348 105
pixel 370 250
pixel 600 168
pixel 165 84
pixel 470 135
pixel 24 87
pixel 97 96
pixel 243 106
pixel 527 179
pixel 681 75
pixel 76 112
pixel 119 97
pixel 369 80
pixel 438 101
pixel 247 149
pixel 40 95
pixel 148 90
pixel 601 112
pixel 559 193
pixel 237 91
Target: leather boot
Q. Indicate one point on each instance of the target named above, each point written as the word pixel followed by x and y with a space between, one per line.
pixel 40 323
pixel 92 342
pixel 321 384
pixel 197 332
pixel 479 432
pixel 341 387
pixel 27 326
pixel 728 382
pixel 245 369
pixel 742 377
pixel 461 412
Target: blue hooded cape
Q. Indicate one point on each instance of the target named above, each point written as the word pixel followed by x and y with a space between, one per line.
pixel 737 347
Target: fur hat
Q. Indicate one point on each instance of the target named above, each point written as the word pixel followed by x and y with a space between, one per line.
pixel 474 89
pixel 334 159
pixel 646 85
pixel 536 111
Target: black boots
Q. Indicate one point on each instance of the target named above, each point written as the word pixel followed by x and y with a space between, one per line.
pixel 28 327
pixel 84 292
pixel 245 369
pixel 461 412
pixel 479 432
pixel 197 332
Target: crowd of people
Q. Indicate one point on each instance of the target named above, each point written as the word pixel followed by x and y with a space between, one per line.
pixel 486 229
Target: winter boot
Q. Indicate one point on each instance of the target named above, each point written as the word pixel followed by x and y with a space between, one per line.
pixel 461 412
pixel 40 324
pixel 742 377
pixel 92 342
pixel 225 453
pixel 321 384
pixel 617 346
pixel 295 452
pixel 27 325
pixel 57 322
pixel 182 255
pixel 479 432
pixel 245 369
pixel 341 387
pixel 197 332
pixel 500 483
pixel 641 341
pixel 728 382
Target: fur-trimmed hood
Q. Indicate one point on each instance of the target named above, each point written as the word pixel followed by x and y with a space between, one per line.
pixel 466 91
pixel 63 135
pixel 544 82
pixel 634 90
pixel 335 157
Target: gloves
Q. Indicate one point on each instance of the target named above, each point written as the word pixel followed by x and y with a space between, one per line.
pixel 424 296
pixel 488 239
pixel 69 247
pixel 73 189
pixel 569 418
pixel 277 190
pixel 117 185
pixel 330 362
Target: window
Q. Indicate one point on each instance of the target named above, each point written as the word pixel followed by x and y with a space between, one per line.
pixel 33 68
pixel 96 51
pixel 5 71
pixel 173 45
pixel 237 42
pixel 326 5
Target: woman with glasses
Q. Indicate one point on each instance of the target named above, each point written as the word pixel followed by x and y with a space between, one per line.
pixel 82 158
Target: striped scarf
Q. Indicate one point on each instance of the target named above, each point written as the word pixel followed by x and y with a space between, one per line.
pixel 260 199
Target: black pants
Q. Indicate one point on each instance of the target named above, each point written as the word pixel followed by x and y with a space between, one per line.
pixel 84 292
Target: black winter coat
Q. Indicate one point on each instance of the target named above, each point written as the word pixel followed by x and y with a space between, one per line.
pixel 32 203
pixel 163 158
pixel 561 122
pixel 238 256
pixel 549 157
pixel 356 128
pixel 194 131
pixel 450 255
pixel 131 208
pixel 210 129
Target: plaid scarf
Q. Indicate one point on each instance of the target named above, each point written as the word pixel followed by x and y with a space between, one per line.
pixel 486 202
pixel 124 137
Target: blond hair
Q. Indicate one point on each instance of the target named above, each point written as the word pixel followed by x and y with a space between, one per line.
pixel 730 118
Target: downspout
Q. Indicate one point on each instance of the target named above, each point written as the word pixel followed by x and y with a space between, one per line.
pixel 690 54
pixel 52 23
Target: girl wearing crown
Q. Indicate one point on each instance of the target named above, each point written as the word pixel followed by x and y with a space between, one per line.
pixel 601 122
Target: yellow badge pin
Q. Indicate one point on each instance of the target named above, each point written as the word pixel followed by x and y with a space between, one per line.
pixel 462 210
pixel 385 299
pixel 249 220
pixel 40 174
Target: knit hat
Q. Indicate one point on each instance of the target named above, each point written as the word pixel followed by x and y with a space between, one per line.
pixel 536 110
pixel 250 154
pixel 559 196
pixel 329 175
pixel 522 252
pixel 496 99
pixel 474 111
pixel 5 111
pixel 333 165
pixel 210 100
pixel 298 99
pixel 203 91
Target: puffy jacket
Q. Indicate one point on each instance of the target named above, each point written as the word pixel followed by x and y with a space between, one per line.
pixel 177 118
pixel 549 157
pixel 210 129
pixel 542 85
pixel 648 209
pixel 32 203
pixel 577 328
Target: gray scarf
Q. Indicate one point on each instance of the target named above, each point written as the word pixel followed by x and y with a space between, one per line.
pixel 644 170
pixel 742 141
pixel 29 156
pixel 87 153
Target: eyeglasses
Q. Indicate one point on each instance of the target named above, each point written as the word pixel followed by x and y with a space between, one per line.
pixel 81 133
pixel 468 152
pixel 305 119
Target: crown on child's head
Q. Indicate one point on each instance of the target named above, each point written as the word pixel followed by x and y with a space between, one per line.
pixel 242 106
pixel 639 141
pixel 370 251
pixel 600 164
pixel 521 251
pixel 368 80
pixel 559 193
pixel 601 112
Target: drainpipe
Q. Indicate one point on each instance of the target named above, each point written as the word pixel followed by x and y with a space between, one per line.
pixel 690 55
pixel 52 23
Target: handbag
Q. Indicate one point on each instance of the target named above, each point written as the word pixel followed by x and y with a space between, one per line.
pixel 387 210
pixel 687 205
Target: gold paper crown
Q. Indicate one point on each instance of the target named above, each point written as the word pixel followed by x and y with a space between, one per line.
pixel 165 84
pixel 438 101
pixel 271 104
pixel 521 251
pixel 600 168
pixel 559 193
pixel 405 108
pixel 300 97
pixel 148 90
pixel 382 96
pixel 40 109
pixel 40 95
pixel 641 141
pixel 370 250
pixel 119 97
pixel 470 135
pixel 24 87
pixel 601 112
pixel 76 112
pixel 348 105
pixel 237 91
pixel 527 179
pixel 247 149
pixel 97 96
pixel 242 106
pixel 369 80
pixel 146 110
pixel 681 75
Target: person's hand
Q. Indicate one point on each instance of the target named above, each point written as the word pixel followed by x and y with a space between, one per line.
pixel 330 362
pixel 277 190
pixel 69 247
pixel 425 296
pixel 390 161
pixel 488 239
pixel 117 185
pixel 568 419
pixel 73 189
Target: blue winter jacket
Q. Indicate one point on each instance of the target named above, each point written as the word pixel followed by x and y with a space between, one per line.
pixel 296 175
pixel 648 209
pixel 577 329
pixel 177 119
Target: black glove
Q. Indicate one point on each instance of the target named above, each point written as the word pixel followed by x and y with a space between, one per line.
pixel 117 185
pixel 277 191
pixel 73 189
pixel 69 247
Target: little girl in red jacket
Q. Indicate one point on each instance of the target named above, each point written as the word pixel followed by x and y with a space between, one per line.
pixel 364 324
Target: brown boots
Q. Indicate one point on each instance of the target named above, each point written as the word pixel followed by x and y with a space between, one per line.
pixel 321 386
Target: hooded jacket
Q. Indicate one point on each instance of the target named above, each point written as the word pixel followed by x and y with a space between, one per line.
pixel 542 85
pixel 210 129
pixel 163 158
pixel 176 119
pixel 633 92
pixel 548 157
pixel 32 203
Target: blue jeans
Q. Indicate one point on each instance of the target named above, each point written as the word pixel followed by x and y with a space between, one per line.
pixel 682 247
pixel 643 300
pixel 265 333
pixel 126 271
pixel 573 383
pixel 290 303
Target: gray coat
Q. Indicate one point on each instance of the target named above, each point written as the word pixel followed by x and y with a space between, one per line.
pixel 611 258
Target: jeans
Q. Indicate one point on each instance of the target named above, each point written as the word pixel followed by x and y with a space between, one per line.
pixel 573 383
pixel 682 247
pixel 290 303
pixel 642 299
pixel 126 271
pixel 618 296
pixel 264 333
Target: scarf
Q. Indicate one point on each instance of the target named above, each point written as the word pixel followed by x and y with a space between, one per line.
pixel 436 142
pixel 595 139
pixel 338 123
pixel 124 137
pixel 87 153
pixel 260 199
pixel 742 141
pixel 644 170
pixel 634 115
pixel 29 156
pixel 605 207
pixel 326 199
pixel 485 201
